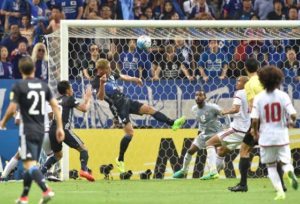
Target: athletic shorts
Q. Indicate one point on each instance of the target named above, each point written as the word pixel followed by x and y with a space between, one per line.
pixel 249 139
pixel 30 149
pixel 46 144
pixel 275 154
pixel 71 139
pixel 200 140
pixel 126 108
pixel 231 138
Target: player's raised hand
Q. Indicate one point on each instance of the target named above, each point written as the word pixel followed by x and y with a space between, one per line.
pixel 103 79
pixel 60 135
pixel 138 81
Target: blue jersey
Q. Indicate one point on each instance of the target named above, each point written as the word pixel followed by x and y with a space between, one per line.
pixel 231 7
pixel 130 62
pixel 15 6
pixel 38 10
pixel 69 7
pixel 213 62
pixel 5 70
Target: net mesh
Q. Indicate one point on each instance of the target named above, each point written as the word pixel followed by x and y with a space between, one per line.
pixel 177 54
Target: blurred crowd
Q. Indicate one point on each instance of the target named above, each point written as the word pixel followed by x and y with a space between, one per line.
pixel 23 23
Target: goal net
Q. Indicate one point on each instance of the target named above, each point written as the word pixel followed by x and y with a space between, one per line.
pixel 185 56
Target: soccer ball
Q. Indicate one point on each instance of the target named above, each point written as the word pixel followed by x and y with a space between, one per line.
pixel 144 42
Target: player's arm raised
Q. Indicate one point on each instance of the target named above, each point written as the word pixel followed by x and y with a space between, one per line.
pixel 11 110
pixel 234 109
pixel 131 79
pixel 101 92
pixel 84 107
pixel 60 134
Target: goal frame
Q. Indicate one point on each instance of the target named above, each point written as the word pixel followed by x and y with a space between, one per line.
pixel 66 24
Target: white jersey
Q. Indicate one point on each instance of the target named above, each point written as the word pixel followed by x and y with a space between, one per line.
pixel 241 120
pixel 272 109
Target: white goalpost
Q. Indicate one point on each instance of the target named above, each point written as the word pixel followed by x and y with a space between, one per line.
pixel 69 47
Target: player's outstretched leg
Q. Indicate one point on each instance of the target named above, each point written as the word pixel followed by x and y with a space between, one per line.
pixel 182 173
pixel 123 147
pixel 159 116
pixel 275 179
pixel 27 181
pixel 11 165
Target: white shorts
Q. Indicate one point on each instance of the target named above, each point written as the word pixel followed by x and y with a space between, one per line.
pixel 200 140
pixel 46 145
pixel 231 138
pixel 275 154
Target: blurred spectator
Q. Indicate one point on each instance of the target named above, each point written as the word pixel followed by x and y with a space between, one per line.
pixel 2 20
pixel 148 12
pixel 168 11
pixel 5 65
pixel 246 12
pixel 287 5
pixel 106 12
pixel 14 9
pixel 38 8
pixel 27 29
pixel 175 16
pixel 291 63
pixel 170 66
pixel 89 64
pixel 204 16
pixel 196 7
pixel 54 25
pixel 132 62
pixel 293 13
pixel 40 59
pixel 277 14
pixel 185 58
pixel 157 8
pixel 112 4
pixel 16 55
pixel 14 38
pixel 91 10
pixel 263 7
pixel 213 62
pixel 72 9
pixel 230 8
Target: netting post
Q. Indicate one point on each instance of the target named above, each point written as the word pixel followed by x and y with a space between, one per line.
pixel 64 75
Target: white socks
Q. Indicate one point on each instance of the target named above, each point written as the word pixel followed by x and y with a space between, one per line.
pixel 220 163
pixel 186 162
pixel 274 177
pixel 211 159
pixel 13 162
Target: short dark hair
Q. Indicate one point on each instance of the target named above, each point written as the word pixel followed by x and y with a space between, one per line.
pixel 56 7
pixel 293 7
pixel 251 65
pixel 26 65
pixel 270 77
pixel 62 87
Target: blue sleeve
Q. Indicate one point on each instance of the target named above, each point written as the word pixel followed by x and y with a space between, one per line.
pixel 80 3
pixel 178 9
pixel 6 6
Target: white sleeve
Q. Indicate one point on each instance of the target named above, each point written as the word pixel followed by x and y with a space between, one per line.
pixel 237 99
pixel 186 7
pixel 288 105
pixel 255 111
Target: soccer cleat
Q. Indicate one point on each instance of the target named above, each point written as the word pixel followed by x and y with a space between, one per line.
pixel 293 180
pixel 238 188
pixel 52 178
pixel 280 196
pixel 210 176
pixel 22 200
pixel 47 196
pixel 87 175
pixel 178 123
pixel 120 165
pixel 180 174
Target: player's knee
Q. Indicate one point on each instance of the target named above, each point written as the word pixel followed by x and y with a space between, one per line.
pixel 58 155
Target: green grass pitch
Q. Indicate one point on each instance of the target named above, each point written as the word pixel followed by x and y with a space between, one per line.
pixel 151 191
